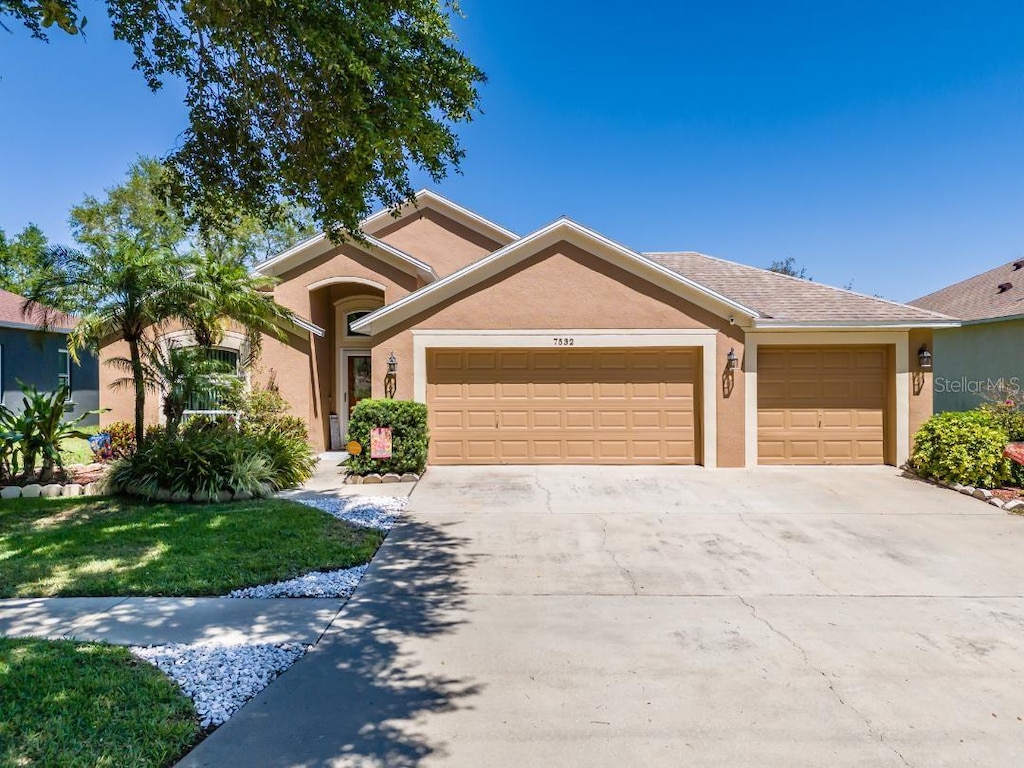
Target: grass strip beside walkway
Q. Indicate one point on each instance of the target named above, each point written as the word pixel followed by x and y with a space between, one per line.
pixel 109 547
pixel 74 704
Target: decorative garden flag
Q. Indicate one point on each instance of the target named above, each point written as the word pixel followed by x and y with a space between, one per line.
pixel 380 443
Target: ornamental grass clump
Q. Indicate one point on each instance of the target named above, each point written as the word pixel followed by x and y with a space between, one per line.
pixel 962 447
pixel 255 452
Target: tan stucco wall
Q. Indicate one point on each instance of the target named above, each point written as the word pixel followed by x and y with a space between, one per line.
pixel 121 401
pixel 444 244
pixel 564 287
pixel 311 377
pixel 921 391
pixel 730 394
pixel 339 263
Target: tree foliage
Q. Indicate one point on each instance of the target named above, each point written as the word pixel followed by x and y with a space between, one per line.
pixel 788 266
pixel 326 104
pixel 140 207
pixel 140 269
pixel 20 258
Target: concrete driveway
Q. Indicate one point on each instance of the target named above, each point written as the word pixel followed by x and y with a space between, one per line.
pixel 665 616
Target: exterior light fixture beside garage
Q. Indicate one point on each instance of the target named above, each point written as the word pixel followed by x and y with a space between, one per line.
pixel 924 358
pixel 732 362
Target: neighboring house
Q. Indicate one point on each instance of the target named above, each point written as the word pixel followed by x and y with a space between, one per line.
pixel 562 346
pixel 984 356
pixel 32 356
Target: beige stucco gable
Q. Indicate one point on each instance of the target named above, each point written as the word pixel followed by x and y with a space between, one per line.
pixel 442 242
pixel 565 286
pixel 599 248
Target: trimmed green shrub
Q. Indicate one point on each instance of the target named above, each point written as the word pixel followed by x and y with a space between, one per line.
pixel 1011 419
pixel 409 438
pixel 962 447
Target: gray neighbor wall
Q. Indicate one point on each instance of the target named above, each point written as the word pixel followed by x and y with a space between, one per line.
pixel 973 359
pixel 33 358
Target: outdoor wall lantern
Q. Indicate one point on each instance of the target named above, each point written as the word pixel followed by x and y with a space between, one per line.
pixel 731 361
pixel 391 378
pixel 924 357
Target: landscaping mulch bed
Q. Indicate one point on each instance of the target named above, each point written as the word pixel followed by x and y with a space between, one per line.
pixel 1008 494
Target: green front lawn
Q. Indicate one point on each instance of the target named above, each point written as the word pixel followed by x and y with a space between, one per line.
pixel 88 704
pixel 114 546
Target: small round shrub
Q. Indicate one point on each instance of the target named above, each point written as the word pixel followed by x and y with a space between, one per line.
pixel 963 447
pixel 122 439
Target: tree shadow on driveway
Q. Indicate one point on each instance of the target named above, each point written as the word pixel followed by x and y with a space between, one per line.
pixel 355 698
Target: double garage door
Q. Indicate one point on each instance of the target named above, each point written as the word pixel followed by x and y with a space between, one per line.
pixel 563 406
pixel 815 405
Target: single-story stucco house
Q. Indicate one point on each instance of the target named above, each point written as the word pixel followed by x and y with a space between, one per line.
pixel 983 358
pixel 32 356
pixel 563 346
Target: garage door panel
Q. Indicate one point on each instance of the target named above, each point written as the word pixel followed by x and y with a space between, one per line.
pixel 822 405
pixel 482 449
pixel 678 389
pixel 447 449
pixel 547 450
pixel 614 450
pixel 514 360
pixel 514 419
pixel 580 420
pixel 481 419
pixel 612 419
pixel 679 450
pixel 679 419
pixel 612 361
pixel 564 406
pixel 515 450
pixel 646 391
pixel 579 391
pixel 551 390
pixel 513 391
pixel 547 419
pixel 612 390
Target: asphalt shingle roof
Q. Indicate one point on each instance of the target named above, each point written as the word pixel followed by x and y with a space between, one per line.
pixel 979 297
pixel 11 313
pixel 785 298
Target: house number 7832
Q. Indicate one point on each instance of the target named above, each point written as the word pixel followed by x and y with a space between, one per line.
pixel 564 341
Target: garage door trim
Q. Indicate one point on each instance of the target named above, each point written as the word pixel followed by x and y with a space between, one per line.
pixel 898 339
pixel 705 339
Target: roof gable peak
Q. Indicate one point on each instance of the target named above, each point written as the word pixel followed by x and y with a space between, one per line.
pixel 430 200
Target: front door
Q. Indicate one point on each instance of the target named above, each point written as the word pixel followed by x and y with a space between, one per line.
pixel 358 381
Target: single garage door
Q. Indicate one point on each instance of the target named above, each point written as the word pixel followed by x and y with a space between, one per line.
pixel 822 405
pixel 562 406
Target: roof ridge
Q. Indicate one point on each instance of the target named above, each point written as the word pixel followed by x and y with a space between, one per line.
pixel 805 281
pixel 971 278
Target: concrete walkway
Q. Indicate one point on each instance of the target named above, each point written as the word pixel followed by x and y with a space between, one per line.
pixel 220 620
pixel 329 480
pixel 163 620
pixel 662 617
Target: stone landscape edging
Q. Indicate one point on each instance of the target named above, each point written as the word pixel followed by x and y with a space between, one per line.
pixel 53 490
pixel 387 477
pixel 981 494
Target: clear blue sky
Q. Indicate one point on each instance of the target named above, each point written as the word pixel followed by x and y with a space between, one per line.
pixel 881 143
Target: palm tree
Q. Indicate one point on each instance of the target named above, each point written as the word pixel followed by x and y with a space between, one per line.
pixel 122 290
pixel 128 290
pixel 225 290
